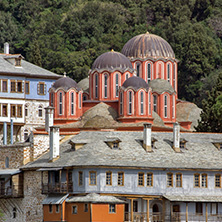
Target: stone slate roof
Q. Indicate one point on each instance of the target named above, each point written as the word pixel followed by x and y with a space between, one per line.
pixel 65 83
pixel 200 153
pixel 112 61
pixel 160 86
pixel 187 111
pixel 27 69
pixel 94 198
pixel 84 84
pixel 136 83
pixel 147 45
pixel 202 198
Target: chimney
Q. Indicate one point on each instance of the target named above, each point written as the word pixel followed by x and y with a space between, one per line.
pixel 54 143
pixel 6 48
pixel 147 137
pixel 176 137
pixel 49 111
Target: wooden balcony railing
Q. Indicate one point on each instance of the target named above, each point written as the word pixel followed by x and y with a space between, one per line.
pixel 11 191
pixel 57 188
pixel 174 217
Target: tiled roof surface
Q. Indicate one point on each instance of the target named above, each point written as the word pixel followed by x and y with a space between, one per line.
pixel 200 153
pixel 27 69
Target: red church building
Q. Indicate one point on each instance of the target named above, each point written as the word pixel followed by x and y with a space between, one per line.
pixel 137 83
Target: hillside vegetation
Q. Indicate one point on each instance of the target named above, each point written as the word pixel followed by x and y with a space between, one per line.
pixel 68 35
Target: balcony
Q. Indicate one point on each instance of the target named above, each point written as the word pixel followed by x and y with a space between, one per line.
pixel 11 191
pixel 174 217
pixel 57 188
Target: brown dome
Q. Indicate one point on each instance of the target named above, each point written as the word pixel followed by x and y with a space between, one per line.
pixel 136 83
pixel 147 45
pixel 112 61
pixel 65 83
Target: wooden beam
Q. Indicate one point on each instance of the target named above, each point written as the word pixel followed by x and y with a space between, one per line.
pixel 206 213
pixel 131 209
pixel 148 210
pixel 186 212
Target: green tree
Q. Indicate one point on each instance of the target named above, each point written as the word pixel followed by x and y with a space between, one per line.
pixel 211 116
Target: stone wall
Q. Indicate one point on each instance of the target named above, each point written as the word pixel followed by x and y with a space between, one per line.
pixel 41 144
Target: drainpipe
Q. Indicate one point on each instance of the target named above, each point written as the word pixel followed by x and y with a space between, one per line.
pixel 147 137
pixel 4 133
pixel 11 131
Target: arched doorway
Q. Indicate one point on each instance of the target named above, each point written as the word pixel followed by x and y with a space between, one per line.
pixel 157 215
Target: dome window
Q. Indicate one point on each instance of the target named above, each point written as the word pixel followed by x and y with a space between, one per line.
pixel 60 103
pixel 138 69
pixel 105 86
pixel 80 100
pixel 149 103
pixel 155 103
pixel 40 111
pixel 96 86
pixel 165 106
pixel 72 103
pixel 121 103
pixel 130 99
pixel 168 72
pixel 148 72
pixel 141 103
pixel 117 84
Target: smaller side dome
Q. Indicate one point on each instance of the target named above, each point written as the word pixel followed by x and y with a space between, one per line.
pixel 65 83
pixel 160 86
pixel 112 61
pixel 136 83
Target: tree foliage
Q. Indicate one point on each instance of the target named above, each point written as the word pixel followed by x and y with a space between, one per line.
pixel 68 35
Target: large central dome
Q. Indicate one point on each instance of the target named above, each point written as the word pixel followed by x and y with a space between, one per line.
pixel 147 45
pixel 112 61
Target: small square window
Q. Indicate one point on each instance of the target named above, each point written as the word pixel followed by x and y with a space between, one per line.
pixel 149 179
pixel 196 180
pixel 140 179
pixel 57 208
pixel 120 179
pixel 4 86
pixel 112 208
pixel 115 145
pixel 50 208
pixel 92 178
pixel 86 208
pixel 218 181
pixel 170 180
pixel 74 209
pixel 109 178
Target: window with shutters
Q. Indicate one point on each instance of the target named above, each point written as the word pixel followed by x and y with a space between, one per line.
pixel 27 87
pixel 13 86
pixel 19 86
pixel 19 111
pixel 4 85
pixel 4 110
pixel 13 110
pixel 41 88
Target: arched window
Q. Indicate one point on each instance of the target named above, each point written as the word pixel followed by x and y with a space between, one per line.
pixel 105 86
pixel 141 103
pixel 149 103
pixel 117 85
pixel 80 100
pixel 40 111
pixel 6 162
pixel 130 102
pixel 127 76
pixel 96 86
pixel 60 103
pixel 168 72
pixel 51 99
pixel 26 110
pixel 148 72
pixel 155 103
pixel 173 107
pixel 165 106
pixel 138 69
pixel 84 97
pixel 72 103
pixel 26 135
pixel 121 103
pixel 174 76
